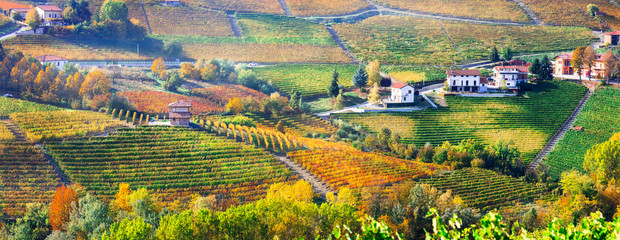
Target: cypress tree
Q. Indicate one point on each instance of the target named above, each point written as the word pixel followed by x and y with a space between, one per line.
pixel 360 79
pixel 494 56
pixel 334 89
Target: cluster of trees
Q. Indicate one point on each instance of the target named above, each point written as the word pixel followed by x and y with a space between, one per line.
pixel 583 57
pixel 364 76
pixel 275 104
pixel 42 83
pixel 494 55
pixel 542 68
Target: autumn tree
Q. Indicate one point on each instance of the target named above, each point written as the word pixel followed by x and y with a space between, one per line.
pixel 95 83
pixel 32 19
pixel 234 106
pixel 73 85
pixel 159 67
pixel 360 78
pixel 189 71
pixel 339 102
pixel 374 73
pixel 374 97
pixel 589 58
pixel 114 10
pixel 593 8
pixel 61 206
pixel 603 160
pixel 120 200
pixel 334 89
pixel 300 191
pixel 578 61
pixel 129 229
pixel 611 65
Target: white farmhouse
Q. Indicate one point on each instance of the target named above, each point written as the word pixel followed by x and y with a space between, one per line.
pixel 402 95
pixel 49 14
pixel 509 77
pixel 58 62
pixel 466 81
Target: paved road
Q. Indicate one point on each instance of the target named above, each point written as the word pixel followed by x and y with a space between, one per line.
pixel 560 133
pixel 13 34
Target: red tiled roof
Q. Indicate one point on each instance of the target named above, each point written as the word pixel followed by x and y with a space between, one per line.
pixel 20 9
pixel 520 68
pixel 617 32
pixel 46 58
pixel 180 104
pixel 463 72
pixel 484 80
pixel 569 56
pixel 49 8
pixel 399 85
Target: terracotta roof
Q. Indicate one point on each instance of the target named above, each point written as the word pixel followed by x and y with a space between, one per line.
pixel 463 72
pixel 520 68
pixel 180 115
pixel 569 56
pixel 399 85
pixel 49 8
pixel 180 104
pixel 46 58
pixel 484 80
pixel 19 9
pixel 617 32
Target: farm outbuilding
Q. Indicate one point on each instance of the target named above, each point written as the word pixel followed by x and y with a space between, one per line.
pixel 180 113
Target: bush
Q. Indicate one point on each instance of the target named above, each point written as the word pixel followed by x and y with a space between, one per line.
pixel 240 120
pixel 117 102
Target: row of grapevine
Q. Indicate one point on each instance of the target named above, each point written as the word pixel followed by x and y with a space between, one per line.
pixel 11 105
pixel 25 177
pixel 485 189
pixel 176 161
pixel 5 133
pixel 264 138
pixel 476 9
pixel 295 124
pixel 222 93
pixel 353 168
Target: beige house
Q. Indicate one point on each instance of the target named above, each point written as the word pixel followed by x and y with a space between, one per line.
pixel 49 14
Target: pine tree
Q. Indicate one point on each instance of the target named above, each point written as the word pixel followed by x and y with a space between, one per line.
pixel 535 67
pixel 360 79
pixel 334 89
pixel 547 74
pixel 508 54
pixel 494 56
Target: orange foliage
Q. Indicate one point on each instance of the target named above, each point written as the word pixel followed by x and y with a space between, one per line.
pixel 61 206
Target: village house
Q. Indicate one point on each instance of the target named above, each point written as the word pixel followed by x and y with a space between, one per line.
pixel 466 81
pixel 20 11
pixel 562 66
pixel 173 3
pixel 612 38
pixel 58 62
pixel 49 14
pixel 180 113
pixel 402 95
pixel 509 77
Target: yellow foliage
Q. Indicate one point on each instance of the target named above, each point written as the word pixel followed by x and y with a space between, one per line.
pixel 234 106
pixel 159 66
pixel 122 196
pixel 300 191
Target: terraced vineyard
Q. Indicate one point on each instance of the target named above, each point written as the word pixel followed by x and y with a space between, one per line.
pixel 281 29
pixel 325 7
pixel 177 162
pixel 187 21
pixel 41 126
pixel 599 118
pixel 26 177
pixel 10 105
pixel 485 189
pixel 612 11
pixel 413 74
pixel 528 121
pixel 476 9
pixel 154 102
pixel 223 93
pixel 560 13
pixel 261 6
pixel 352 168
pixel 420 41
pixel 5 133
pixel 37 45
pixel 295 124
pixel 306 79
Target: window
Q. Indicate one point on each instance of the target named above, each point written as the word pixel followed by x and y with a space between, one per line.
pixel 409 91
pixel 466 83
pixel 405 99
pixel 453 82
pixel 474 83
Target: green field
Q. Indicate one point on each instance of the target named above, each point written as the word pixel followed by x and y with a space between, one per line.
pixel 306 79
pixel 282 29
pixel 172 160
pixel 529 120
pixel 10 105
pixel 600 119
pixel 485 189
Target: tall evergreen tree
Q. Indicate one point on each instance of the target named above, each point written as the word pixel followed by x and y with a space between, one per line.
pixel 334 89
pixel 545 71
pixel 494 56
pixel 508 54
pixel 294 102
pixel 360 79
pixel 535 67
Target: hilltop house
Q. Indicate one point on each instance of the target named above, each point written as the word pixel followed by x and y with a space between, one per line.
pixel 58 62
pixel 402 95
pixel 180 113
pixel 20 11
pixel 49 14
pixel 562 66
pixel 466 81
pixel 509 77
pixel 612 38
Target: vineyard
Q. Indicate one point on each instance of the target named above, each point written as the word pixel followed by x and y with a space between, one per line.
pixel 261 6
pixel 281 29
pixel 10 105
pixel 267 53
pixel 222 93
pixel 475 9
pixel 37 45
pixel 175 161
pixel 155 102
pixel 485 189
pixel 26 177
pixel 352 168
pixel 558 12
pixel 413 74
pixel 295 124
pixel 58 125
pixel 271 140
pixel 5 133
pixel 325 7
pixel 488 120
pixel 186 21
pixel 306 79
pixel 401 40
pixel 612 11
pixel 599 118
